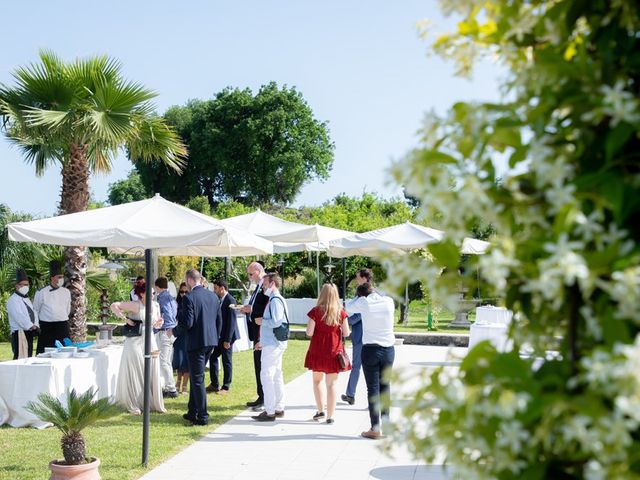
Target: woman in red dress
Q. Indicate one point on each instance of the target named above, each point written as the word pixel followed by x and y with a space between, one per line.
pixel 326 326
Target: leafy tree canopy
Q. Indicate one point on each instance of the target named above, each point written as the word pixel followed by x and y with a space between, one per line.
pixel 255 149
pixel 128 190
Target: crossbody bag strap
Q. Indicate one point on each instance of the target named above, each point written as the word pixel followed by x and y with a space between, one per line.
pixel 286 317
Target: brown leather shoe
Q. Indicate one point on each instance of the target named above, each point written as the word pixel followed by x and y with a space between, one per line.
pixel 279 413
pixel 371 434
pixel 222 391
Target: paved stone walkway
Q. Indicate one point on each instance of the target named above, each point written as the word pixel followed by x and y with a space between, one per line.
pixel 296 447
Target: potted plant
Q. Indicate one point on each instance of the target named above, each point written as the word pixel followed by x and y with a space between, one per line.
pixel 80 412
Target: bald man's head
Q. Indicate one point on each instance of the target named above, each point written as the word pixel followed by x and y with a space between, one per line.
pixel 255 272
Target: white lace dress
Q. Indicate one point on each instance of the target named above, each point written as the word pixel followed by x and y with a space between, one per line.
pixel 130 387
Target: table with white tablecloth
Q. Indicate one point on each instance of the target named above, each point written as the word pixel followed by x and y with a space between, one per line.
pixel 491 314
pixel 22 380
pixel 492 323
pixel 242 343
pixel 496 333
pixel 298 309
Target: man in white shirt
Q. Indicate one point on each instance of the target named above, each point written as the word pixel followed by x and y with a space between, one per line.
pixel 378 352
pixel 52 303
pixel 22 317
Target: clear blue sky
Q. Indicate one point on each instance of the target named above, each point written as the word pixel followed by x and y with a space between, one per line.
pixel 360 65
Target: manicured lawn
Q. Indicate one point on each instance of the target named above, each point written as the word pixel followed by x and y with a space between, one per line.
pixel 26 452
pixel 418 320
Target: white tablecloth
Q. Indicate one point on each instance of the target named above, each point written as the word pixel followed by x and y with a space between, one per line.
pixel 22 380
pixel 496 333
pixel 298 309
pixel 489 314
pixel 242 343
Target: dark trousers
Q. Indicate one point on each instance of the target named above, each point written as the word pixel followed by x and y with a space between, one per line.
pixel 50 332
pixel 257 366
pixel 227 366
pixel 197 394
pixel 377 362
pixel 14 342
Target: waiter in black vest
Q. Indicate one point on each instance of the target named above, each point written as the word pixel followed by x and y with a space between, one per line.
pixel 255 309
pixel 52 303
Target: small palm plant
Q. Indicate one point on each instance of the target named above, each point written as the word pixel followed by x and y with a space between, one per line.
pixel 80 412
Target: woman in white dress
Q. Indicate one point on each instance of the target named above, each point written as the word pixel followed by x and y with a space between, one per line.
pixel 130 387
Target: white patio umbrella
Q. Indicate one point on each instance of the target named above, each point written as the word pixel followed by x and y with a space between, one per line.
pixel 288 236
pixel 399 239
pixel 148 224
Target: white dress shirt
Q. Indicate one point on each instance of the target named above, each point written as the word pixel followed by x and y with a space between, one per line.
pixel 52 304
pixel 377 318
pixel 18 313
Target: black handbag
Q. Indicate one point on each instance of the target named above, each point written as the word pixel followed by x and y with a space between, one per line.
pixel 132 330
pixel 282 332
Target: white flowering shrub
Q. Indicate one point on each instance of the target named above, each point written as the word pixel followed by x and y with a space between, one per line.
pixel 566 256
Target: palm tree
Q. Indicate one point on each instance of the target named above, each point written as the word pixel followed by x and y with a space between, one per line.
pixel 79 115
pixel 80 412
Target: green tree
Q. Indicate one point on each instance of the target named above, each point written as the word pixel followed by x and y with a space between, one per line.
pixel 567 247
pixel 78 115
pixel 128 190
pixel 255 149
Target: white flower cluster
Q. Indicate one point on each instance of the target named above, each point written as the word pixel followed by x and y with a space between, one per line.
pixel 617 103
pixel 524 23
pixel 624 288
pixel 564 266
pixel 497 264
pixel 620 104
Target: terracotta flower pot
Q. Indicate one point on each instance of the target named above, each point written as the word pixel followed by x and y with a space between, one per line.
pixel 86 471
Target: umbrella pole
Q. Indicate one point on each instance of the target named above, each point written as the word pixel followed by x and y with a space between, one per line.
pixel 318 270
pixel 146 413
pixel 344 279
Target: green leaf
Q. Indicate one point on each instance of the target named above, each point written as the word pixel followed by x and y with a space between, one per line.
pixel 446 254
pixel 435 157
pixel 617 138
pixel 506 137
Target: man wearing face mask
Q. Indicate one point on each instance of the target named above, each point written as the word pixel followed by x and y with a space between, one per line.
pixel 23 320
pixel 52 303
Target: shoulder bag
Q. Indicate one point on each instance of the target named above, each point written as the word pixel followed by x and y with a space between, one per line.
pixel 343 357
pixel 282 332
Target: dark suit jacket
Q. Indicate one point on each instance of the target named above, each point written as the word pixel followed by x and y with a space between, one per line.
pixel 200 316
pixel 259 304
pixel 229 325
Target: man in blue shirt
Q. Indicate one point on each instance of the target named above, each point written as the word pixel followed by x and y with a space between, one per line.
pixel 164 335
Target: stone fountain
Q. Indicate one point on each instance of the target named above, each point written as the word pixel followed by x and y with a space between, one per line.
pixel 465 305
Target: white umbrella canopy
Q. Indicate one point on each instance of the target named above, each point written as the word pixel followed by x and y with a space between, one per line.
pixel 288 236
pixel 154 223
pixel 473 246
pixel 399 239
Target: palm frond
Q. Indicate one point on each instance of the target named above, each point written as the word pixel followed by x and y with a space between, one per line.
pixel 155 140
pixel 39 117
pixel 98 280
pixel 50 409
pixel 80 411
pixel 45 84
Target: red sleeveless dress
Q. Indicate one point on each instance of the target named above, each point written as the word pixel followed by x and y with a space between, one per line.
pixel 325 344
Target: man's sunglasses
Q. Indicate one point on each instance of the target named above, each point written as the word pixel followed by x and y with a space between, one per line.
pixel 184 292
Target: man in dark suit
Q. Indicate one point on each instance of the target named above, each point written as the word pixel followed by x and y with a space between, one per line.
pixel 255 309
pixel 228 335
pixel 200 317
